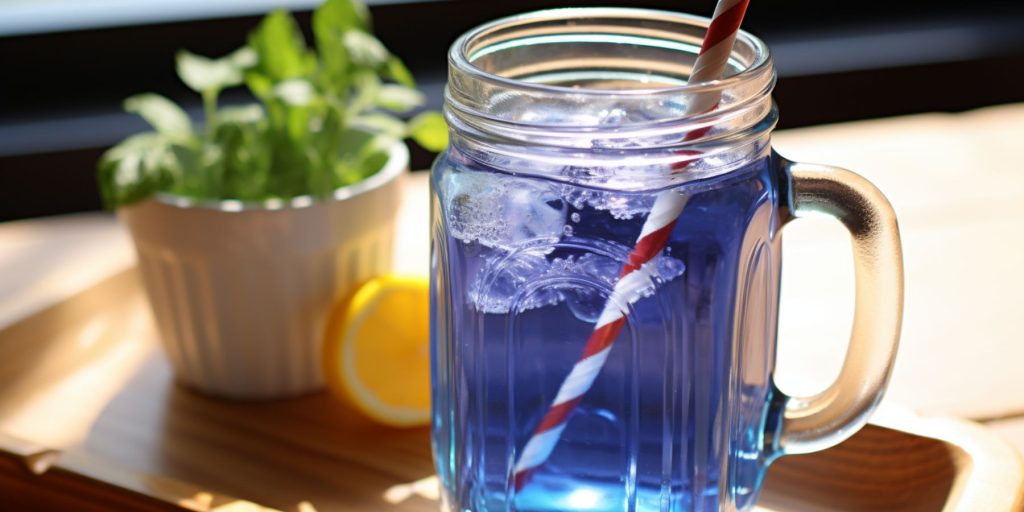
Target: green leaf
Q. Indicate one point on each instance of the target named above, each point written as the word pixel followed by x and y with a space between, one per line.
pixel 260 84
pixel 295 92
pixel 298 127
pixel 134 147
pixel 331 22
pixel 204 75
pixel 365 50
pixel 242 114
pixel 280 47
pixel 352 141
pixel 335 17
pixel 161 113
pixel 361 154
pixel 136 168
pixel 370 162
pixel 244 160
pixel 182 161
pixel 334 59
pixel 399 98
pixel 397 71
pixel 430 131
pixel 367 86
pixel 382 124
pixel 243 58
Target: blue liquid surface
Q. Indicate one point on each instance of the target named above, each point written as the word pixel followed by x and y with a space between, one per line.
pixel 675 419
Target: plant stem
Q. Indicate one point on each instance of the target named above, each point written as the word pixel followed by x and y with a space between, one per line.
pixel 210 112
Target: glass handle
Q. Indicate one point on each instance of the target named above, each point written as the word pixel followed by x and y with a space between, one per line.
pixel 819 421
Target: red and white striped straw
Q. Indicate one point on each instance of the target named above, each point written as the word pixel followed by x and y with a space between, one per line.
pixel 635 275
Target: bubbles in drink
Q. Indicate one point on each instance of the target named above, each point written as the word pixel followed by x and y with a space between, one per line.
pixel 505 276
pixel 528 279
pixel 620 206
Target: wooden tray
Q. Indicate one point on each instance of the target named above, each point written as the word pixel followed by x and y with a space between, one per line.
pixel 91 419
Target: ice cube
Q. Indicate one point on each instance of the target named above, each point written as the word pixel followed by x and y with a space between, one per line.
pixel 503 212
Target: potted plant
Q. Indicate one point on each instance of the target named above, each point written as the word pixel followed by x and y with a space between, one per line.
pixel 248 228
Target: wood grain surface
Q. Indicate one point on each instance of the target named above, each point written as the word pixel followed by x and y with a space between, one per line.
pixel 93 416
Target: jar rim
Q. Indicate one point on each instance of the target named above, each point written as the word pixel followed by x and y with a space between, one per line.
pixel 509 106
pixel 459 58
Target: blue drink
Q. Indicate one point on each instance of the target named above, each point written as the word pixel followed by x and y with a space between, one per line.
pixel 566 126
pixel 669 399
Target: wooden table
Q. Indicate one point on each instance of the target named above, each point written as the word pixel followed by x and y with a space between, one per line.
pixel 955 181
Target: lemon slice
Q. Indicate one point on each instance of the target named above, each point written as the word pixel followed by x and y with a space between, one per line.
pixel 377 354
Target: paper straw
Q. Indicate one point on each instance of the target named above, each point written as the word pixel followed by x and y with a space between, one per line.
pixel 635 275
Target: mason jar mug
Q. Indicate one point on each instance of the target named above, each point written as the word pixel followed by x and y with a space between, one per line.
pixel 606 269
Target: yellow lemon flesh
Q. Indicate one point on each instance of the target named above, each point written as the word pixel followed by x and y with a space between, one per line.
pixel 377 354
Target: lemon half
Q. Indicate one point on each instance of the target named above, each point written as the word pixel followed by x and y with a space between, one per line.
pixel 377 354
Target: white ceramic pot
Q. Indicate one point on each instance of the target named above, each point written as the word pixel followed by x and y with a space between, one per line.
pixel 241 292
